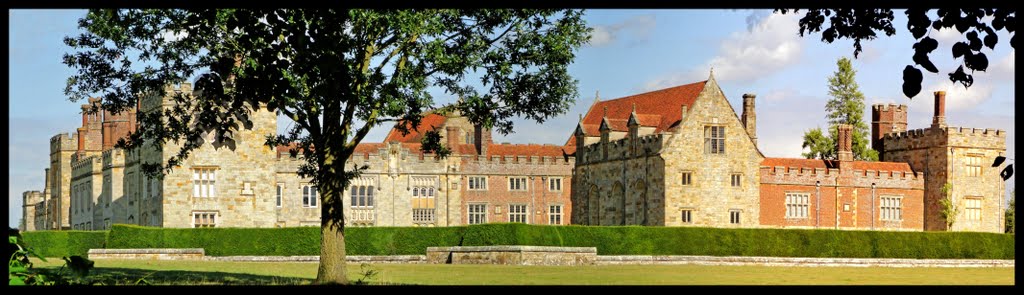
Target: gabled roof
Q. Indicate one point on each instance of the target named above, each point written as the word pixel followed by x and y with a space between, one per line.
pixel 429 122
pixel 659 109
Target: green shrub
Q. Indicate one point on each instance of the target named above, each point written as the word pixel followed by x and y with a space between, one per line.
pixel 609 240
pixel 291 241
pixel 64 243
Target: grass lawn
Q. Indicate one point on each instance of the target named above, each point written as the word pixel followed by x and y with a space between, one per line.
pixel 286 273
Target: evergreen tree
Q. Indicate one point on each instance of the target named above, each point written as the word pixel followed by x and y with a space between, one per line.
pixel 845 107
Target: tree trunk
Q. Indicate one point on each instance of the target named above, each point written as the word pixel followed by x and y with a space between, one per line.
pixel 332 239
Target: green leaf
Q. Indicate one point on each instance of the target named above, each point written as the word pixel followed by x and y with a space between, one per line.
pixel 16 281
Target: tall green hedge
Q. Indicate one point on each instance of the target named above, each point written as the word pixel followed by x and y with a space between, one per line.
pixel 609 240
pixel 284 241
pixel 64 243
pixel 638 240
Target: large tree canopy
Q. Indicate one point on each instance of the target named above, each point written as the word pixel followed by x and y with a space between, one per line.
pixel 336 73
pixel 978 26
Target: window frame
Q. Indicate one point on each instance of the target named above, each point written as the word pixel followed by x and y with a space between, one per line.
pixel 973 166
pixel 734 216
pixel 736 180
pixel 212 216
pixel 798 205
pixel 889 205
pixel 479 181
pixel 310 196
pixel 686 178
pixel 204 183
pixel 714 139
pixel 482 214
pixel 970 211
pixel 552 215
pixel 280 195
pixel 524 214
pixel 361 196
pixel 515 179
pixel 551 183
pixel 686 216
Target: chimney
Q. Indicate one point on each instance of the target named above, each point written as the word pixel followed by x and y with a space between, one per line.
pixel 682 117
pixel 940 110
pixel 482 139
pixel 844 147
pixel 749 117
pixel 452 137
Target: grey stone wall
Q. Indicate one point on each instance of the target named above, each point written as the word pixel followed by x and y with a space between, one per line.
pixel 941 153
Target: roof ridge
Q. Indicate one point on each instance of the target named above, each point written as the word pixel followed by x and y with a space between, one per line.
pixel 653 91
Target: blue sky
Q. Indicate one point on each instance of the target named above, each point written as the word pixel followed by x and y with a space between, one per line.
pixel 632 51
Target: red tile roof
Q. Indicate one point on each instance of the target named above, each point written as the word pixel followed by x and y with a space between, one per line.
pixel 368 148
pixel 429 122
pixel 801 163
pixel 823 164
pixel 524 150
pixel 881 166
pixel 666 103
pixel 651 120
pixel 617 125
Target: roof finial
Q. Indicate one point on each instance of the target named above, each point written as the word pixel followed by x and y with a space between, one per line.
pixel 606 111
pixel 597 95
pixel 634 107
pixel 581 117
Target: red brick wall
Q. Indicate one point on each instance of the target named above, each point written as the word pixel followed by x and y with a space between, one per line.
pixel 538 196
pixel 852 189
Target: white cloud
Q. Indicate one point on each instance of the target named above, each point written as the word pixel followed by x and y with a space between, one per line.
pixel 959 98
pixel 1003 69
pixel 638 28
pixel 765 48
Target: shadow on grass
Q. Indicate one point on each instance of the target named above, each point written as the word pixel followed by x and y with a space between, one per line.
pixel 131 276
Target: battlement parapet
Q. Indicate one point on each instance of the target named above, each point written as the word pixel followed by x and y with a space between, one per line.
pixel 87 165
pixel 889 107
pixel 64 142
pixel 620 148
pixel 113 157
pixel 967 131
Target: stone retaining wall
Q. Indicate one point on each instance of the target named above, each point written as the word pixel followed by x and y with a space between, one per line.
pixel 150 254
pixel 534 255
pixel 799 261
pixel 512 255
pixel 405 259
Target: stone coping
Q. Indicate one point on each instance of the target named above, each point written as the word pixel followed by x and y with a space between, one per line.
pixel 199 251
pixel 348 258
pixel 513 249
pixel 800 261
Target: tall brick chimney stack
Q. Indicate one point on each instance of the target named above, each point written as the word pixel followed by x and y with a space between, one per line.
pixel 940 110
pixel 844 147
pixel 482 139
pixel 452 137
pixel 749 117
pixel 84 130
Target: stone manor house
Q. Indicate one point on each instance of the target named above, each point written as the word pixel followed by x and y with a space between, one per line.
pixel 679 156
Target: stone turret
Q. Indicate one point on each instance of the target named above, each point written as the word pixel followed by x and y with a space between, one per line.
pixel 886 119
